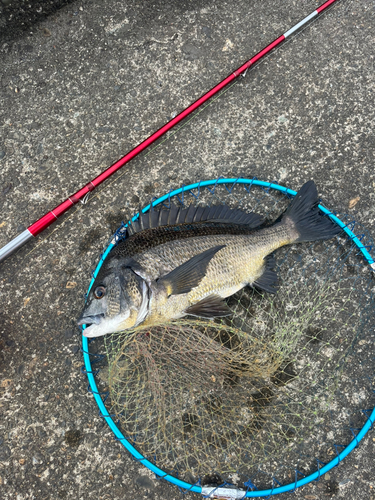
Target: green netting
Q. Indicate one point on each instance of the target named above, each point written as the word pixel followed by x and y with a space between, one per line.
pixel 273 388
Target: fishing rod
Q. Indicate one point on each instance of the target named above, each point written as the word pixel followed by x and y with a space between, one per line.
pixel 50 217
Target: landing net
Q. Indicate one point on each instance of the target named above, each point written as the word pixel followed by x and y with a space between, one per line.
pixel 267 395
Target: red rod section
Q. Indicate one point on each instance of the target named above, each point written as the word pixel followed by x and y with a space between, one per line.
pixel 325 5
pixel 50 217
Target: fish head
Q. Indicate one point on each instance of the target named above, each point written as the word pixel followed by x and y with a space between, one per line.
pixel 118 300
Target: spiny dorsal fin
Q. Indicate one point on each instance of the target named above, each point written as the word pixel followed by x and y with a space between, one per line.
pixel 198 214
pixel 188 275
pixel 180 215
pixel 212 306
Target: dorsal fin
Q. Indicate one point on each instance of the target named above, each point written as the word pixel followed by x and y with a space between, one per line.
pixel 180 215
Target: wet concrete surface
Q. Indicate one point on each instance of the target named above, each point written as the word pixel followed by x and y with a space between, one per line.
pixel 84 84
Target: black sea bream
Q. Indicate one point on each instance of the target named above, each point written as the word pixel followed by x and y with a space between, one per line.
pixel 187 261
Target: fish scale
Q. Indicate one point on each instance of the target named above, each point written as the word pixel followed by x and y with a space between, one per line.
pixel 163 258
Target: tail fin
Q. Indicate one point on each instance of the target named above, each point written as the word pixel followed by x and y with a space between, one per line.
pixel 306 217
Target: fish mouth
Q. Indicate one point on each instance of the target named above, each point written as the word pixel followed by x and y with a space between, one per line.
pixel 98 325
pixel 90 320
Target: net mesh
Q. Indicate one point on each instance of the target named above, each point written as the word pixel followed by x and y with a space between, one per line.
pixel 276 387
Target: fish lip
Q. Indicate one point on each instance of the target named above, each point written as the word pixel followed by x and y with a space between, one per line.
pixel 104 327
pixel 91 331
pixel 95 319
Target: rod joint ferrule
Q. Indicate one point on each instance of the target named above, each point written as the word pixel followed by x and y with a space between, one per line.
pixel 16 243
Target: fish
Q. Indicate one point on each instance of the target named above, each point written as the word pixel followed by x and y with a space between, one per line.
pixel 187 261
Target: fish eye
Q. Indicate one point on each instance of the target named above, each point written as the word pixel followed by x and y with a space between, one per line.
pixel 99 292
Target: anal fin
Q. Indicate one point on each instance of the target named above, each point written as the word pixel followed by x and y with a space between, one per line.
pixel 212 306
pixel 269 281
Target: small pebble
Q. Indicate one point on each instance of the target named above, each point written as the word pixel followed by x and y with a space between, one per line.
pixel 353 202
pixel 73 437
pixel 297 257
pixel 21 369
pixel 207 31
pixel 190 478
pixel 69 334
pixel 102 130
pixel 38 457
pixel 7 188
pixel 282 119
pixel 71 284
pixel 41 432
pixel 145 482
pixel 103 374
pixel 345 481
pixel 4 453
pixel 191 51
pixel 92 440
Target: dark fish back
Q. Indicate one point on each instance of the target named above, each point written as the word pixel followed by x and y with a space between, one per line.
pixel 179 223
pixel 150 238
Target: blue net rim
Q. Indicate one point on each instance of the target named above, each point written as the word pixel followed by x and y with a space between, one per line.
pixel 98 397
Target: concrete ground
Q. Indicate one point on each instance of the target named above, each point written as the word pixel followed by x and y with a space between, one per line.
pixel 83 82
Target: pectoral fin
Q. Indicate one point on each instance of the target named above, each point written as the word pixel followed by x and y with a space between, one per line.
pixel 188 275
pixel 212 306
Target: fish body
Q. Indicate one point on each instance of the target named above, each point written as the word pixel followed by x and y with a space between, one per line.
pixel 240 261
pixel 166 272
